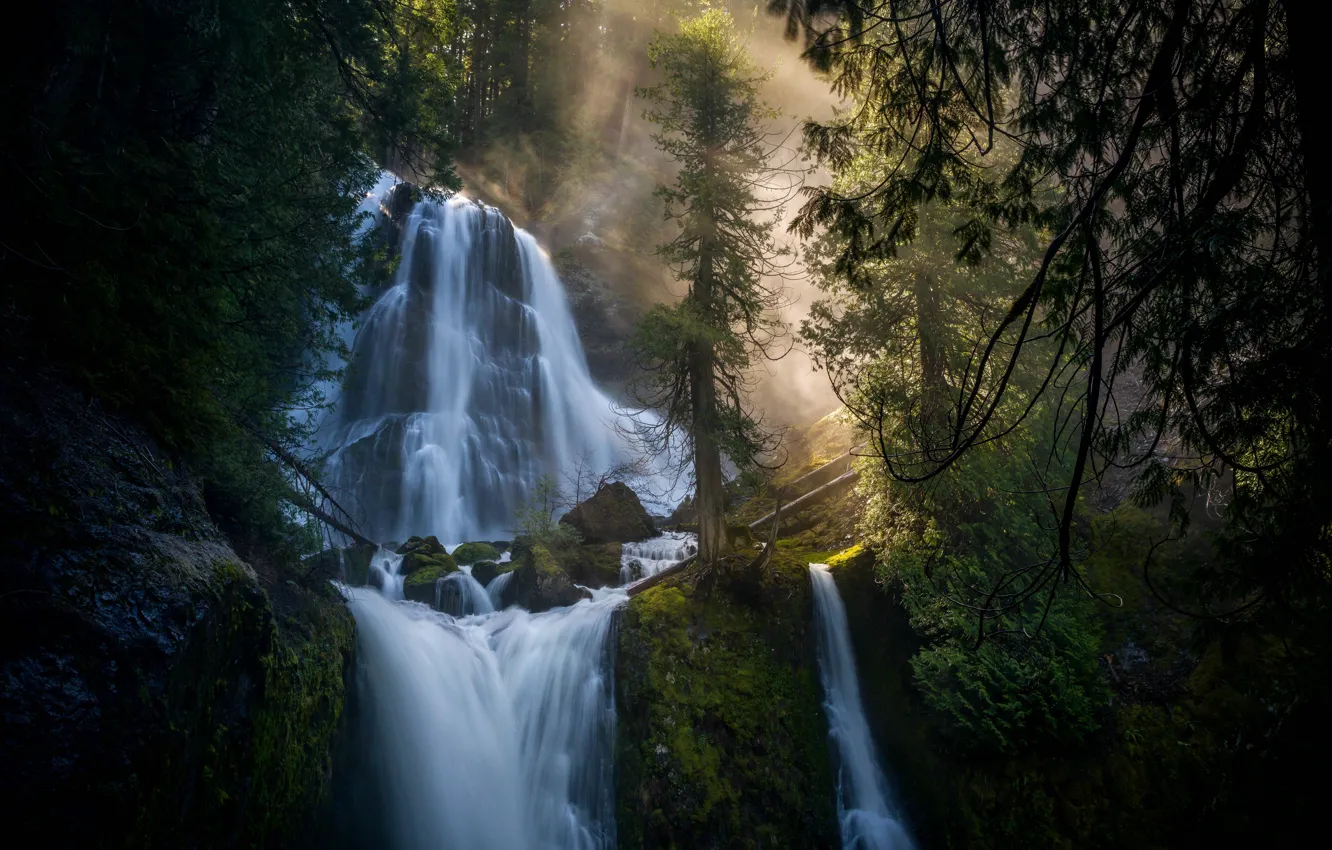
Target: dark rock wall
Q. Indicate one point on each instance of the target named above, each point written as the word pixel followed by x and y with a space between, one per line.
pixel 151 694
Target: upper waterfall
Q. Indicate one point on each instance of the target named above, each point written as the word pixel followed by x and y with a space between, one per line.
pixel 467 383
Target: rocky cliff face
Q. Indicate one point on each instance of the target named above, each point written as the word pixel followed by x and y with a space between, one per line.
pixel 722 738
pixel 153 694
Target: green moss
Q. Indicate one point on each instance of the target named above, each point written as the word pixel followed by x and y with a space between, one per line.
pixel 419 586
pixel 722 742
pixel 470 553
pixel 416 562
pixel 592 564
pixel 252 712
pixel 854 557
pixel 541 558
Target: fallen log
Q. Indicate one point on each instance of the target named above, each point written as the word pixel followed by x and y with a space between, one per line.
pixel 812 497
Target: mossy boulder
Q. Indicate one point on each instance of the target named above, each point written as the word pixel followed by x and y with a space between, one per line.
pixel 470 553
pixel 612 515
pixel 485 571
pixel 722 738
pixel 593 564
pixel 539 583
pixel 420 585
pixel 425 553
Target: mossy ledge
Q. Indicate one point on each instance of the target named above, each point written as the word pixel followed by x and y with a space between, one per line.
pixel 722 740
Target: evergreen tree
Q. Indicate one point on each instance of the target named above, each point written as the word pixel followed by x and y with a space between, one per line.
pixel 1165 148
pixel 697 354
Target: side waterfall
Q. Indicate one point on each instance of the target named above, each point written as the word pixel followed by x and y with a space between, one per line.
pixel 868 818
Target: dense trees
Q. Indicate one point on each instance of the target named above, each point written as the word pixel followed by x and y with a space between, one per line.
pixel 1180 275
pixel 184 180
pixel 1075 251
pixel 697 354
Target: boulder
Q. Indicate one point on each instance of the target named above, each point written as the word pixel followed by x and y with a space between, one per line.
pixel 539 584
pixel 420 585
pixel 592 564
pixel 485 571
pixel 422 553
pixel 470 553
pixel 612 515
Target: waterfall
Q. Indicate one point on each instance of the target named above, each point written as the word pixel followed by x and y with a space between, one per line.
pixel 491 732
pixel 869 820
pixel 475 728
pixel 461 595
pixel 467 383
pixel 649 557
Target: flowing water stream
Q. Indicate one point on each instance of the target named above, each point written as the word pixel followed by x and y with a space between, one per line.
pixel 476 728
pixel 467 383
pixel 868 817
pixel 484 729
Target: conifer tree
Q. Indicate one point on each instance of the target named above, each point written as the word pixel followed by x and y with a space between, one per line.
pixel 696 354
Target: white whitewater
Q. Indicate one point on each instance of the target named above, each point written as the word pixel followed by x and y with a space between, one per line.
pixel 461 595
pixel 649 557
pixel 475 728
pixel 492 732
pixel 869 820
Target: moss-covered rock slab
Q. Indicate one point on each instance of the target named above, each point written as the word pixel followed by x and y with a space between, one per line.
pixel 539 583
pixel 593 564
pixel 470 553
pixel 722 738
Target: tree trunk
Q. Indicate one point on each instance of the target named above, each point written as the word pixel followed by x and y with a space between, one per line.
pixel 709 493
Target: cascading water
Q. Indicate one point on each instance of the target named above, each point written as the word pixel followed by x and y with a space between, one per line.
pixel 467 383
pixel 868 818
pixel 461 595
pixel 649 557
pixel 476 729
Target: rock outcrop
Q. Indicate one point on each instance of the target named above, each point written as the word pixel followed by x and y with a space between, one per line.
pixel 612 515
pixel 539 583
pixel 156 690
pixel 485 571
pixel 722 737
pixel 592 564
pixel 424 562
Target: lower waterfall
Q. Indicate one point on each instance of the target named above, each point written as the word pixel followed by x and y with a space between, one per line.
pixel 867 816
pixel 493 731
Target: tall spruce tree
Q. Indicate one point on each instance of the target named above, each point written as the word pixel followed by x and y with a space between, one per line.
pixel 696 355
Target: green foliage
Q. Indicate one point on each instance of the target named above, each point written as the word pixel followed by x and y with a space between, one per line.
pixel 697 355
pixel 537 518
pixel 1196 355
pixel 189 175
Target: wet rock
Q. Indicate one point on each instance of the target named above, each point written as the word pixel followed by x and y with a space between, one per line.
pixel 425 553
pixel 470 553
pixel 592 564
pixel 612 515
pixel 539 584
pixel 156 690
pixel 420 585
pixel 485 571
